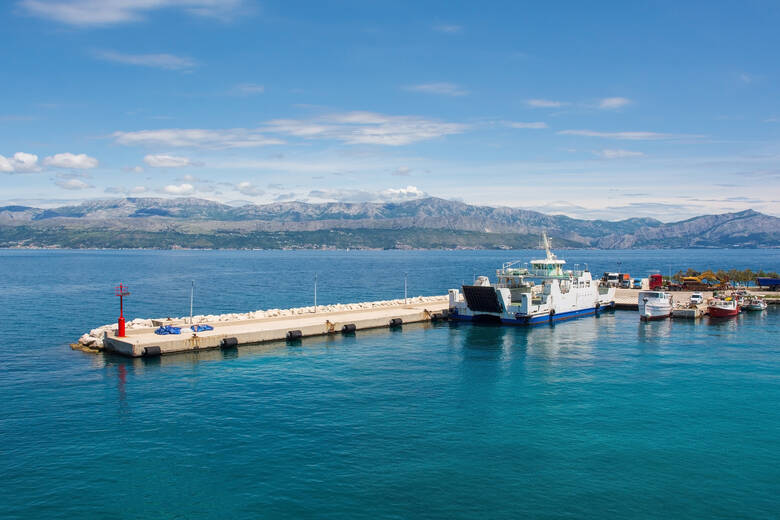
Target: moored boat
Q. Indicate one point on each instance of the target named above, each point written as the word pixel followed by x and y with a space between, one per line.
pixel 725 308
pixel 755 304
pixel 654 305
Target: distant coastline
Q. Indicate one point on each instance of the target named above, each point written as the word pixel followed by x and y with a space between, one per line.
pixel 425 224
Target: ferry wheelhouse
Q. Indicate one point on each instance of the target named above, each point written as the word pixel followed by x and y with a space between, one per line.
pixel 541 291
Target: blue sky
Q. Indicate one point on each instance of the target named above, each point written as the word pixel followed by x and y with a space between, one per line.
pixel 608 109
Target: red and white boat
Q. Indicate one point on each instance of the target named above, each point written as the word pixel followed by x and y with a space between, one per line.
pixel 723 308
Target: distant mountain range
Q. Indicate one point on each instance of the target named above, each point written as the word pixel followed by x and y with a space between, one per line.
pixel 421 223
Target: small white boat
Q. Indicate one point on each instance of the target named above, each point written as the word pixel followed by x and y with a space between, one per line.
pixel 654 305
pixel 755 304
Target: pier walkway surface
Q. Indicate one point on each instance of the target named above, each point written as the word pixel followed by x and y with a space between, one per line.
pixel 144 342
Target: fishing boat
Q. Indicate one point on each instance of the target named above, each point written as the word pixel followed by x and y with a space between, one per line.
pixel 723 308
pixel 755 304
pixel 540 291
pixel 654 305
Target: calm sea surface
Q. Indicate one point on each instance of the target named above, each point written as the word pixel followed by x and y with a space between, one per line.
pixel 596 418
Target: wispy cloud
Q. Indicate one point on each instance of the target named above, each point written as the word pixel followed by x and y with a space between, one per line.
pixel 366 128
pixel 196 138
pixel 520 124
pixel 167 161
pixel 86 13
pixel 157 61
pixel 353 195
pixel 122 190
pixel 613 103
pixel 402 171
pixel 247 89
pixel 443 89
pixel 248 189
pixel 545 103
pixel 630 136
pixel 447 28
pixel 73 184
pixel 618 154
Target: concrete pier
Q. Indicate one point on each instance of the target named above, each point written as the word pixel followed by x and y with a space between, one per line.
pixel 628 299
pixel 692 312
pixel 144 342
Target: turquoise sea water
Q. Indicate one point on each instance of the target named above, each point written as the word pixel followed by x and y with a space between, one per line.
pixel 596 418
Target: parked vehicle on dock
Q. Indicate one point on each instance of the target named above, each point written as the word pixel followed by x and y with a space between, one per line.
pixel 656 281
pixel 654 305
pixel 697 298
pixel 773 284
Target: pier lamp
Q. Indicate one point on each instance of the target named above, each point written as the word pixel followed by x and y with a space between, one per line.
pixel 121 291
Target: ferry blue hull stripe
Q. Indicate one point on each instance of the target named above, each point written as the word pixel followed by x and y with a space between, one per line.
pixel 535 320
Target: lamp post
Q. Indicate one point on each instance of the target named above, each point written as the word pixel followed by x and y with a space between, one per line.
pixel 121 291
pixel 315 292
pixel 405 284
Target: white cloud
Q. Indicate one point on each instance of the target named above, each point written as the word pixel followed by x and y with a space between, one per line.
pixel 196 138
pixel 545 103
pixel 21 162
pixel 629 136
pixel 366 128
pixel 410 192
pixel 443 89
pixel 248 189
pixel 107 12
pixel 447 28
pixel 133 169
pixel 179 189
pixel 618 154
pixel 613 102
pixel 167 161
pixel 247 89
pixel 353 195
pixel 402 171
pixel 537 124
pixel 5 165
pixel 73 184
pixel 158 61
pixel 135 190
pixel 347 127
pixel 68 160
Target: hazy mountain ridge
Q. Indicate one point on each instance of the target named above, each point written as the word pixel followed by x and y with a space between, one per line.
pixel 486 226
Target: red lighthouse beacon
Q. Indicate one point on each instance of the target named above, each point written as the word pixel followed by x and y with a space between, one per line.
pixel 121 291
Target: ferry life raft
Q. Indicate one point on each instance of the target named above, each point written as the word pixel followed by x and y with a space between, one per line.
pixel 723 308
pixel 542 293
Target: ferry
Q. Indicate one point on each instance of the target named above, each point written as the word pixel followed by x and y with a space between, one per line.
pixel 542 292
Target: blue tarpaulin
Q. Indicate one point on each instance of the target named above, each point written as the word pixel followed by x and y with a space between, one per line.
pixel 168 329
pixel 201 328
